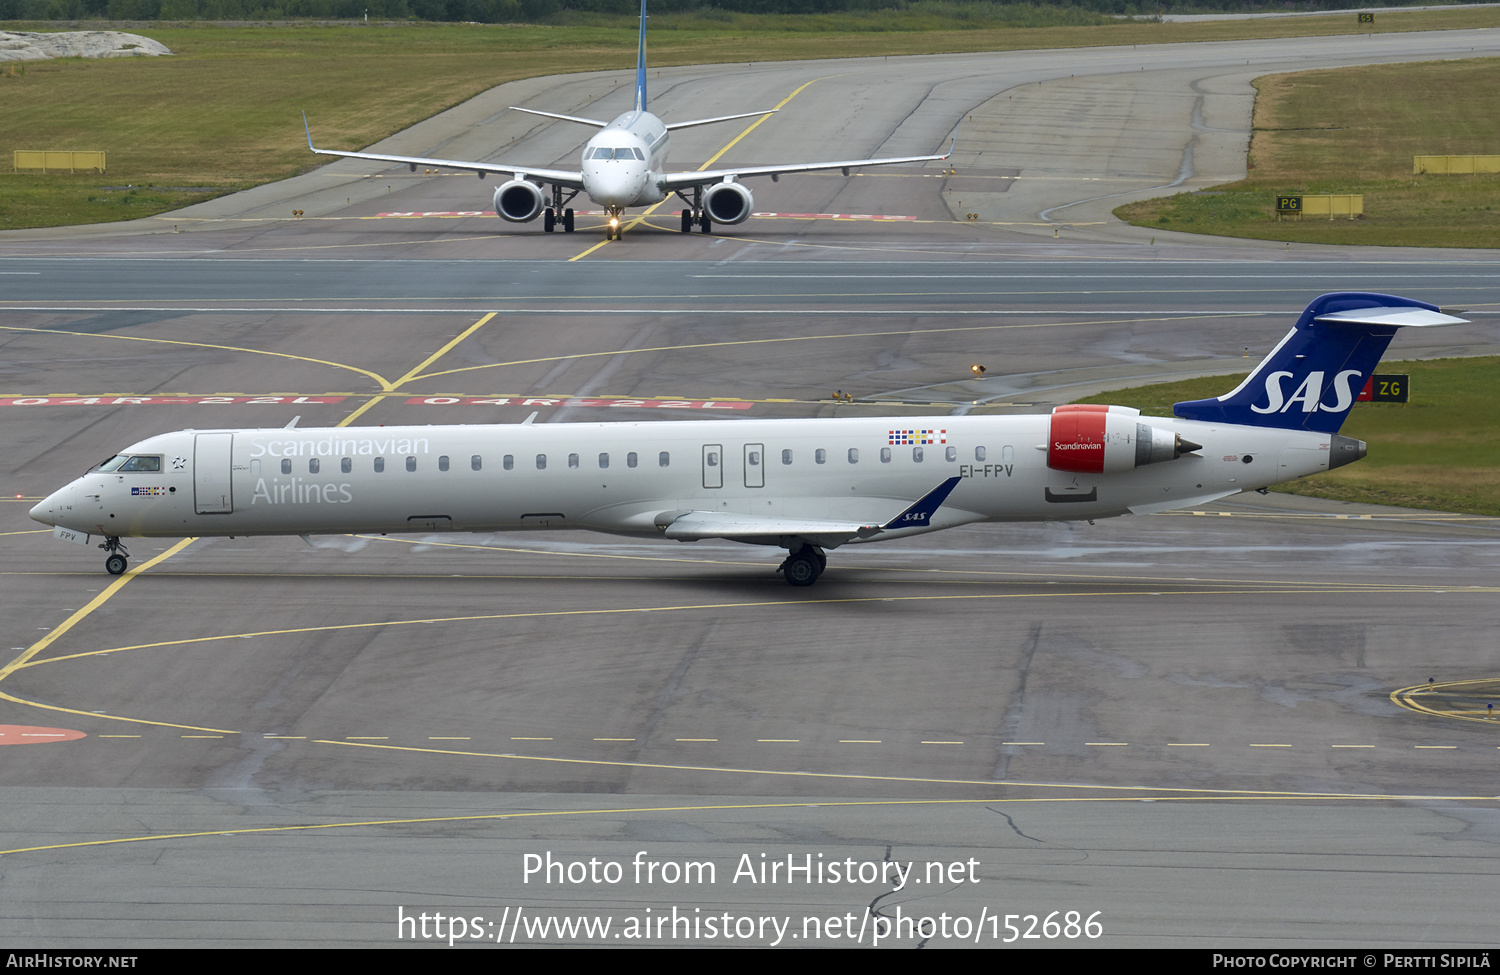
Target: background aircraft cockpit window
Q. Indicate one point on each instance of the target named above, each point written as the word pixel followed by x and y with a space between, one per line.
pixel 141 463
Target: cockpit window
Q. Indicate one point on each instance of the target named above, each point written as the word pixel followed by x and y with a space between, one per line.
pixel 602 153
pixel 623 153
pixel 140 463
pixel 113 462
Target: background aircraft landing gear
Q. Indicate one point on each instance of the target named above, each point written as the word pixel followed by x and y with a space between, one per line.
pixel 118 559
pixel 803 566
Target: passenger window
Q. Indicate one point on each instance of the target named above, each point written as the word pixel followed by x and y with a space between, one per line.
pixel 820 456
pixel 630 459
pixel 854 455
pixel 754 458
pixel 379 465
pixel 979 453
pixel 885 456
pixel 541 462
pixel 313 465
pixel 286 465
pixel 916 454
pixel 509 462
pixel 786 457
pixel 665 460
pixel 572 462
pixel 255 466
pixel 411 464
pixel 603 461
pixel 443 462
pixel 1005 455
pixel 476 462
pixel 346 465
pixel 711 458
pixel 951 454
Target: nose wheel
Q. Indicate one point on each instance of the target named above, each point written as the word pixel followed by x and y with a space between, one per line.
pixel 117 559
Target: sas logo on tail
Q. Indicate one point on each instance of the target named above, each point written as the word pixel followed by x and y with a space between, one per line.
pixel 1345 387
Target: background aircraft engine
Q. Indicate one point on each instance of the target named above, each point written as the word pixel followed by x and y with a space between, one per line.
pixel 519 201
pixel 1108 440
pixel 728 203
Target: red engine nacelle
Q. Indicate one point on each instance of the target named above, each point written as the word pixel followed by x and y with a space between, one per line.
pixel 519 201
pixel 728 203
pixel 1108 440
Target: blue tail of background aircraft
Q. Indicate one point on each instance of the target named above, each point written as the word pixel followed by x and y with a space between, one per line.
pixel 1310 380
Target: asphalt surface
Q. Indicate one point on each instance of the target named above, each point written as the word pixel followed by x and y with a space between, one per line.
pixel 1189 729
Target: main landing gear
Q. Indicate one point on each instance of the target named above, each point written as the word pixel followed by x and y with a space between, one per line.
pixel 803 566
pixel 559 212
pixel 696 212
pixel 116 562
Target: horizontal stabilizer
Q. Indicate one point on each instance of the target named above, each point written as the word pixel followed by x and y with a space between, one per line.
pixel 1398 317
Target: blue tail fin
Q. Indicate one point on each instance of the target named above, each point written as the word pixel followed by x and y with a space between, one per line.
pixel 1311 379
pixel 640 65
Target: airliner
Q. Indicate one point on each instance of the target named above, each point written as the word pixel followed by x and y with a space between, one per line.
pixel 803 485
pixel 622 168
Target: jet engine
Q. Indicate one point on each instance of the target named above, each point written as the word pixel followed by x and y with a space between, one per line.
pixel 519 200
pixel 728 203
pixel 1109 440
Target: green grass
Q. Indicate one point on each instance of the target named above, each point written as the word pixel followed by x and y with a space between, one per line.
pixel 224 111
pixel 1355 130
pixel 1428 453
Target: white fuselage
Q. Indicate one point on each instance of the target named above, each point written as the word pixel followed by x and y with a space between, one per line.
pixel 632 478
pixel 622 164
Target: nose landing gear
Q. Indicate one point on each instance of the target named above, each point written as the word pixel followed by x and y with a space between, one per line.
pixel 116 561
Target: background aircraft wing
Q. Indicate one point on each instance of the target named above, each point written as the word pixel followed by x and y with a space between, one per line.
pixel 560 177
pixel 678 181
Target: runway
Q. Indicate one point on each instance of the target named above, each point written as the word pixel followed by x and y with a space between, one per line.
pixel 1202 729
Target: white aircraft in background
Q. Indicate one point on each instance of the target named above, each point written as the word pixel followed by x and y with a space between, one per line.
pixel 803 485
pixel 622 168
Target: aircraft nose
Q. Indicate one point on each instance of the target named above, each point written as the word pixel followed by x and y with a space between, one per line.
pixel 42 511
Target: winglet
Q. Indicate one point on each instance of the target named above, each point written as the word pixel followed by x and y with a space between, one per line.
pixel 919 515
pixel 308 130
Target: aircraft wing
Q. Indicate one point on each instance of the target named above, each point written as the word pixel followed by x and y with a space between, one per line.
pixel 679 181
pixel 692 526
pixel 559 177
